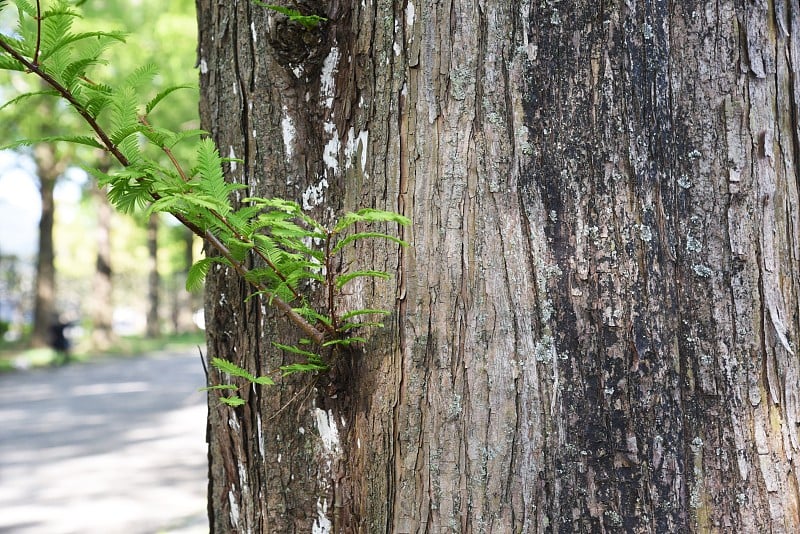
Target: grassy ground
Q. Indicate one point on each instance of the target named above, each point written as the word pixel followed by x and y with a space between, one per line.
pixel 16 355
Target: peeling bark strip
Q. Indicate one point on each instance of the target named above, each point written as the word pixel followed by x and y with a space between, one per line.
pixel 596 327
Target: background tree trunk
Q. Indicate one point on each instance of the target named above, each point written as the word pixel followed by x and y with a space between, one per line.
pixel 101 299
pixel 595 327
pixel 153 319
pixel 49 166
pixel 184 303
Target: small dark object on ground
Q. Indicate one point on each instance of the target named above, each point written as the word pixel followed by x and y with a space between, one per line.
pixel 59 340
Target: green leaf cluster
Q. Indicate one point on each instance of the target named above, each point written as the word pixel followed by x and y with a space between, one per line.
pixel 298 250
pixel 279 249
pixel 116 116
pixel 233 370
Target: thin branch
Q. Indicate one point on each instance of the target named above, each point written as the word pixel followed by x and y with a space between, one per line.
pixel 256 251
pixel 279 302
pixel 316 335
pixel 308 387
pixel 299 321
pixel 286 308
pixel 38 33
pixel 33 66
pixel 168 152
pixel 222 219
pixel 66 95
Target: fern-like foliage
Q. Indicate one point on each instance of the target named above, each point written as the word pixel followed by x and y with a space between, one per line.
pixel 309 22
pixel 271 243
pixel 232 370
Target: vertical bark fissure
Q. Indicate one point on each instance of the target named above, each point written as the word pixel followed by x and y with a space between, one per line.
pixel 794 89
pixel 244 103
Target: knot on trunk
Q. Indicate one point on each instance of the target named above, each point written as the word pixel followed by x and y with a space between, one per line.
pixel 296 44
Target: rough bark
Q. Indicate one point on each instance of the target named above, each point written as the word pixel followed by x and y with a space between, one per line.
pixel 265 464
pixel 595 328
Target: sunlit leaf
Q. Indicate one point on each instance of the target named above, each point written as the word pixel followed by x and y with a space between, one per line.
pixel 232 401
pixel 231 368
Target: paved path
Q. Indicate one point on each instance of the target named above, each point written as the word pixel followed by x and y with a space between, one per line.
pixel 109 447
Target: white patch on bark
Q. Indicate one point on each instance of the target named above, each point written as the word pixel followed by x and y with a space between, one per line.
pixel 329 435
pixel 703 271
pixel 243 478
pixel 315 195
pixel 203 66
pixel 287 127
pixel 528 48
pixel 322 525
pixel 533 51
pixel 327 82
pixel 232 155
pixel 253 31
pixel 396 45
pixel 297 70
pixel 260 435
pixel 234 509
pixel 326 425
pixel 410 12
pixel 235 89
pixel 233 423
pixel 330 154
pixel 314 243
pixel 353 143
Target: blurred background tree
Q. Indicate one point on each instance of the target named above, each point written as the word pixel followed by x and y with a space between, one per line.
pixel 117 273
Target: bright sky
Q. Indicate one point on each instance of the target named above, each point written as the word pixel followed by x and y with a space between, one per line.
pixel 20 207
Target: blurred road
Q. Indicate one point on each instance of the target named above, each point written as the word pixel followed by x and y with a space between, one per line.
pixel 116 446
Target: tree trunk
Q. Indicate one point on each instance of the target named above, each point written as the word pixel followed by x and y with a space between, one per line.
pixel 184 303
pixel 595 327
pixel 49 167
pixel 153 322
pixel 101 299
